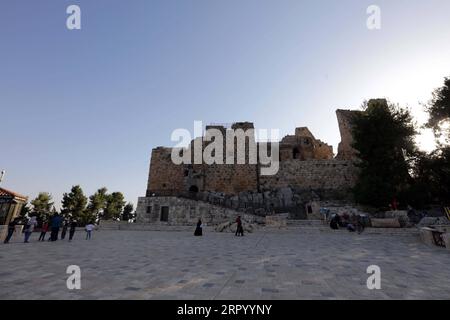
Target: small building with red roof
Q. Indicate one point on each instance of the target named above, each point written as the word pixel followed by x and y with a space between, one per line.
pixel 10 205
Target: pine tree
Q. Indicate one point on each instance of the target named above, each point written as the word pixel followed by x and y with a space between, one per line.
pixel 74 204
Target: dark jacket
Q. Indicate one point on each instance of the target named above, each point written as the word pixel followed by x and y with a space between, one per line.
pixel 12 225
pixel 56 221
pixel 73 226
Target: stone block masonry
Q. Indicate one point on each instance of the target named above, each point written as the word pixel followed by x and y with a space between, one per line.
pixel 312 174
pixel 306 167
pixel 305 163
pixel 175 211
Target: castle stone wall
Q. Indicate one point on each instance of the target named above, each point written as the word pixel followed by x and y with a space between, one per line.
pixel 164 176
pixel 230 179
pixel 312 174
pixel 305 163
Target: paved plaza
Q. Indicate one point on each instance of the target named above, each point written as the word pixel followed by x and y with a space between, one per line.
pixel 263 265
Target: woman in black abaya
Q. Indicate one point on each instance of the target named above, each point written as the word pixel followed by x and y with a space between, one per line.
pixel 198 231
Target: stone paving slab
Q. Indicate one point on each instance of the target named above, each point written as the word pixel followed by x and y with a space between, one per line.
pixel 265 265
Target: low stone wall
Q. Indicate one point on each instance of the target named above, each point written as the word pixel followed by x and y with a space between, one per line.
pixel 17 233
pixel 446 237
pixel 385 223
pixel 277 221
pixel 174 211
pixel 400 215
pixel 3 231
pixel 434 221
pixel 112 225
pixel 427 235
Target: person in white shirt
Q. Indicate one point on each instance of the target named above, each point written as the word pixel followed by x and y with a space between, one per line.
pixel 89 227
pixel 30 228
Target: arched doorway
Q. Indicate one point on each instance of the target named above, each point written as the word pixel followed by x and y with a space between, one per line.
pixel 193 189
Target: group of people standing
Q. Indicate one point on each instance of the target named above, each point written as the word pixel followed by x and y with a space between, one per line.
pixel 54 224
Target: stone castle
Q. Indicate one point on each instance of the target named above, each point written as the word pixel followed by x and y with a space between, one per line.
pixel 308 172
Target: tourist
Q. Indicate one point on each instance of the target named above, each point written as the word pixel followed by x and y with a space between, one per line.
pixel 351 226
pixel 11 228
pixel 335 222
pixel 44 230
pixel 239 228
pixel 199 230
pixel 359 224
pixel 64 229
pixel 344 220
pixel 324 212
pixel 354 223
pixel 55 225
pixel 73 226
pixel 29 228
pixel 394 204
pixel 89 227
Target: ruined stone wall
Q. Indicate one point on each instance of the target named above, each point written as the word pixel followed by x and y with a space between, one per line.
pixel 305 163
pixel 345 149
pixel 169 179
pixel 314 174
pixel 304 146
pixel 164 176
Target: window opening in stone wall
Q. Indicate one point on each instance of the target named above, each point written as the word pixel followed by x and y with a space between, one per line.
pixel 164 213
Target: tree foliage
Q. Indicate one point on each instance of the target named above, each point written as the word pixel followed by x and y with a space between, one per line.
pixel 438 109
pixel 384 139
pixel 97 202
pixel 128 212
pixel 431 184
pixel 114 206
pixel 42 206
pixel 24 211
pixel 433 170
pixel 74 204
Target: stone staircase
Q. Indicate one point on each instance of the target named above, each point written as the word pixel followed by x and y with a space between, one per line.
pixel 149 227
pixel 305 223
pixel 320 226
pixel 303 226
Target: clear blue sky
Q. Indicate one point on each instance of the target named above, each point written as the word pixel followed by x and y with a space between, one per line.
pixel 86 107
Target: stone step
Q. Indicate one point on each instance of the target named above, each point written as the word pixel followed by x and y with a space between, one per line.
pixel 301 226
pixel 383 231
pixel 305 223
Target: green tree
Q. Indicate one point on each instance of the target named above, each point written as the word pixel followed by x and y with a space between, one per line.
pixel 24 211
pixel 74 204
pixel 97 202
pixel 384 138
pixel 432 178
pixel 128 212
pixel 42 206
pixel 114 206
pixel 433 170
pixel 438 109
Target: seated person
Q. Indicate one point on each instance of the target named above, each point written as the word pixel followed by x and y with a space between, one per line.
pixel 335 222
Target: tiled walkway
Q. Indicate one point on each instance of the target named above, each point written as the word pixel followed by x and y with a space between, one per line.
pixel 263 265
